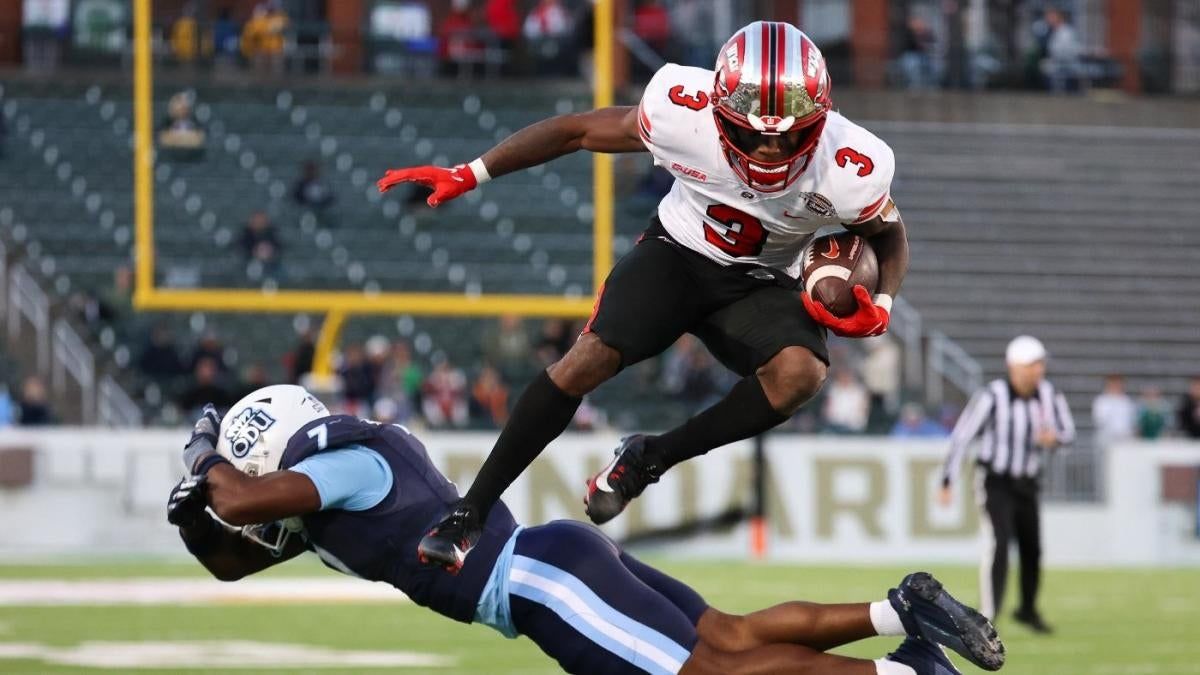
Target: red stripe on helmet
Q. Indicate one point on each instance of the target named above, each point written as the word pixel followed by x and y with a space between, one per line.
pixel 780 65
pixel 765 74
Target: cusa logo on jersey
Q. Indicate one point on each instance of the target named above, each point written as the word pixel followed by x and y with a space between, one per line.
pixel 245 430
pixel 689 171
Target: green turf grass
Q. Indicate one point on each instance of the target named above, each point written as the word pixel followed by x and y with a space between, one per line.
pixel 1109 622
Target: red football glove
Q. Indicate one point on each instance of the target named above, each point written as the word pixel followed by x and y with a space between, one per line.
pixel 868 320
pixel 446 183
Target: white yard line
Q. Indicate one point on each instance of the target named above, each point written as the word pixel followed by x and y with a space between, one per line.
pixel 32 592
pixel 211 654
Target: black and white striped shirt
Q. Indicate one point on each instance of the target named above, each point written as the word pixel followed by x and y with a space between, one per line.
pixel 1010 426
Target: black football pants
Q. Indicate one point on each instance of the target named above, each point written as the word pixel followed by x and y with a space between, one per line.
pixel 1010 511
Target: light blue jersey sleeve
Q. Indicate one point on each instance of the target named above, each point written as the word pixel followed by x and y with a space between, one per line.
pixel 352 478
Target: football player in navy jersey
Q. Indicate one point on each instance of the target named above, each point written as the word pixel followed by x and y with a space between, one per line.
pixel 283 476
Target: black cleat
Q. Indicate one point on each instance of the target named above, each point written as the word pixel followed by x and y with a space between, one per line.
pixel 929 612
pixel 1033 620
pixel 449 542
pixel 609 491
pixel 924 657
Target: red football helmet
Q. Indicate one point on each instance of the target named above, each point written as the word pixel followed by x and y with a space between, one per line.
pixel 771 81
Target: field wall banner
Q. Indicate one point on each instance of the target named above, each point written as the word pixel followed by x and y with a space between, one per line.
pixel 102 492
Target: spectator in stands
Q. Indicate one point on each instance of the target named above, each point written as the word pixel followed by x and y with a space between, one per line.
pixel 548 31
pixel 300 360
pixel 1189 410
pixel 587 417
pixel 205 388
pixel 846 404
pixel 690 374
pixel 652 25
pixel 263 37
pixel 506 346
pixel 160 360
pixel 34 405
pixel 914 423
pixel 311 191
pixel 399 385
pixel 7 413
pixel 116 303
pixel 227 37
pixel 556 338
pixel 880 371
pixel 444 396
pixel 1062 66
pixel 1114 413
pixel 179 133
pixel 489 397
pixel 358 379
pixel 504 21
pixel 254 377
pixel 691 24
pixel 260 242
pixel 1154 414
pixel 916 55
pixel 379 353
pixel 185 36
pixel 458 45
pixel 209 346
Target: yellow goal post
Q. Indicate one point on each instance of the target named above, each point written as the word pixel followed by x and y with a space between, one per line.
pixel 337 306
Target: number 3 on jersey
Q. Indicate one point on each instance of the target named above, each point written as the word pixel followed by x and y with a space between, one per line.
pixel 743 236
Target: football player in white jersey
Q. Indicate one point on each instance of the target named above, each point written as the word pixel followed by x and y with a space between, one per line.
pixel 760 161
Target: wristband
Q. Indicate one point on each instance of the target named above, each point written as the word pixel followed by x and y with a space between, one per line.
pixel 885 301
pixel 208 463
pixel 479 171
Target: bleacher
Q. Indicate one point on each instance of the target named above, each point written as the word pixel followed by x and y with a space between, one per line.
pixel 1083 236
pixel 1080 235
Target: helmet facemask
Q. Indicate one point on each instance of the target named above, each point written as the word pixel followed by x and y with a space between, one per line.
pixel 741 140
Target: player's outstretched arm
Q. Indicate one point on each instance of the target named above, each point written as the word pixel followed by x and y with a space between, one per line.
pixel 609 130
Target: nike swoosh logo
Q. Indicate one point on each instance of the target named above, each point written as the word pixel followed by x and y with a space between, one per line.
pixel 602 478
pixel 832 253
pixel 797 217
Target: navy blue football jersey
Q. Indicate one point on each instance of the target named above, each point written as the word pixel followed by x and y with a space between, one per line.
pixel 380 543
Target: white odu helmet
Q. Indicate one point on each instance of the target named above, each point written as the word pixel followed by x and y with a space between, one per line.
pixel 254 435
pixel 256 430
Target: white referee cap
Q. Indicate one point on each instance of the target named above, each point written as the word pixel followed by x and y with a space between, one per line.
pixel 1023 350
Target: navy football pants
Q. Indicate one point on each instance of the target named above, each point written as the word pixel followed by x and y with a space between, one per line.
pixel 595 609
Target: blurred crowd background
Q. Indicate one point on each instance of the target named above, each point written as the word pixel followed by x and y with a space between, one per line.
pixel 266 153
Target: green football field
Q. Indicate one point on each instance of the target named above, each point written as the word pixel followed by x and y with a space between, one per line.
pixel 1109 622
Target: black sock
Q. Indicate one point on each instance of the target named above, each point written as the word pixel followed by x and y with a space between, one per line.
pixel 744 412
pixel 542 413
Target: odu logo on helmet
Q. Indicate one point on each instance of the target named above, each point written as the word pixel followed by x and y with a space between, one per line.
pixel 246 429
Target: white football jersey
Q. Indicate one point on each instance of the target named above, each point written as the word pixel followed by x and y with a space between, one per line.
pixel 710 209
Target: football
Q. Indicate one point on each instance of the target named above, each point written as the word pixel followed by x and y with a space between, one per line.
pixel 833 265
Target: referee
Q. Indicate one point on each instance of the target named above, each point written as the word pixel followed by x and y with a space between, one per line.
pixel 1020 418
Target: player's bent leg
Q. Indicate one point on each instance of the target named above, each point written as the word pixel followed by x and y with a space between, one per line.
pixel 587 365
pixel 809 624
pixel 772 660
pixel 791 378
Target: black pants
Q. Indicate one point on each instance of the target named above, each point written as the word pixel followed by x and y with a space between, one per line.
pixel 1012 511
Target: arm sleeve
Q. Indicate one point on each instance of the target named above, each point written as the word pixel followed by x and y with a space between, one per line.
pixel 969 425
pixel 1063 422
pixel 353 478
